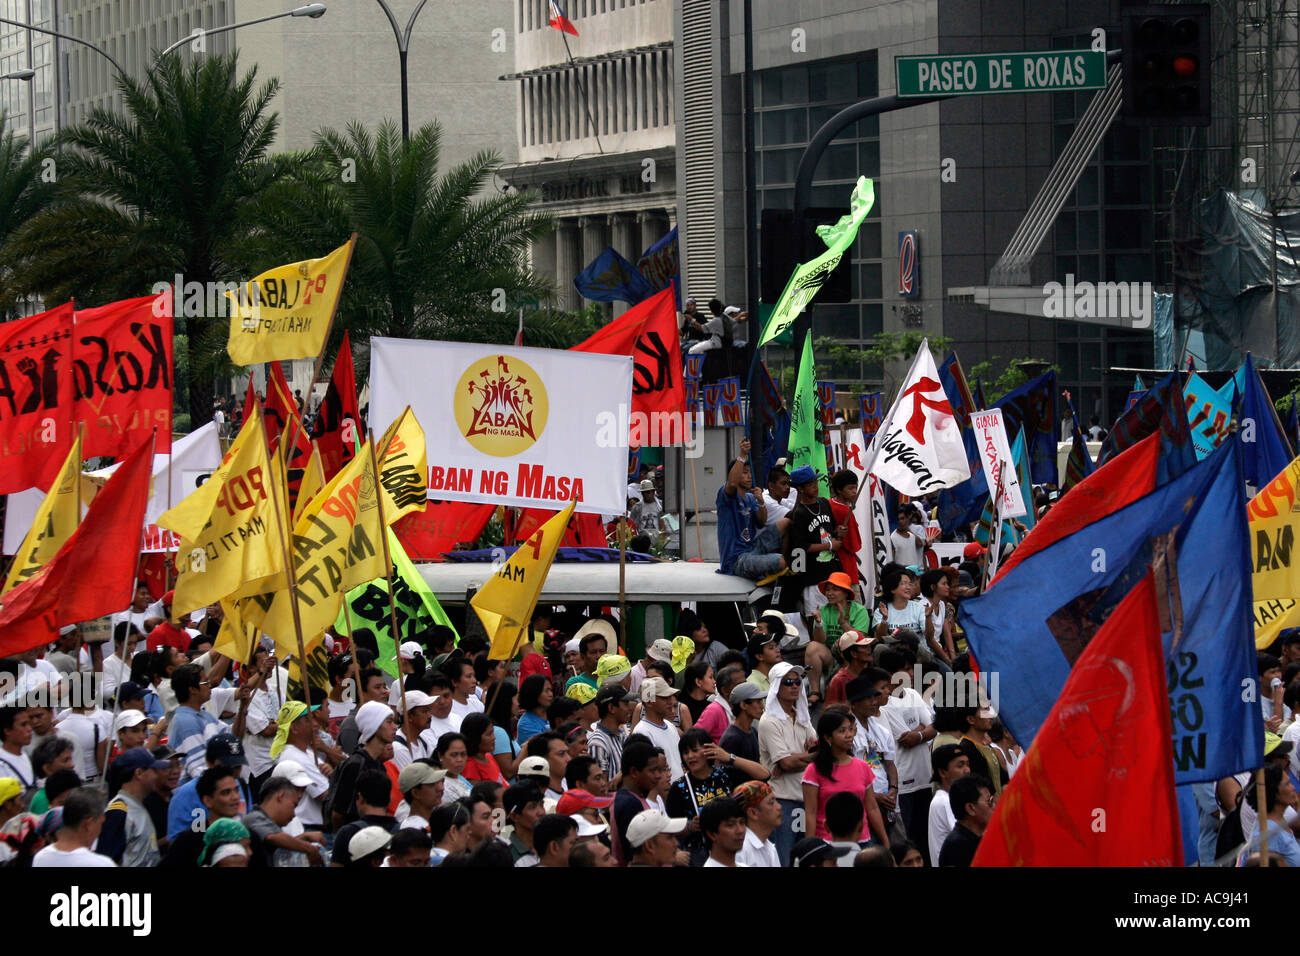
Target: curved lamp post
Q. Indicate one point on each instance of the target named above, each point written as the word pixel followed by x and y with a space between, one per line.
pixel 403 44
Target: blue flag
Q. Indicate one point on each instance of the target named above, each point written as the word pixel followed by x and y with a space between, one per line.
pixel 1032 407
pixel 1030 626
pixel 611 278
pixel 960 505
pixel 661 265
pixel 1267 451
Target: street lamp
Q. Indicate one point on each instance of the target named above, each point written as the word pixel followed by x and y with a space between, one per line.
pixel 24 75
pixel 313 10
pixel 403 44
pixel 63 36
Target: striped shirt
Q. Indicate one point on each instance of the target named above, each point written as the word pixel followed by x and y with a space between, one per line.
pixel 189 734
pixel 606 748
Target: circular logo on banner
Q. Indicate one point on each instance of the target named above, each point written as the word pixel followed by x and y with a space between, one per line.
pixel 500 406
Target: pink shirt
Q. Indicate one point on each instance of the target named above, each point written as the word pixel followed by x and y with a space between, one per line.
pixel 854 777
pixel 714 720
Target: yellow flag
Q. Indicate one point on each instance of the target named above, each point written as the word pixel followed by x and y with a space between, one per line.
pixel 285 312
pixel 228 526
pixel 505 603
pixel 313 480
pixel 237 638
pixel 1274 515
pixel 335 547
pixel 56 519
pixel 403 467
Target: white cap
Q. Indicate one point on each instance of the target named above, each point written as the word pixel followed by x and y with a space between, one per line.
pixel 368 840
pixel 67 629
pixel 128 718
pixel 586 828
pixel 660 650
pixel 294 772
pixel 408 650
pixel 656 686
pixel 650 823
pixel 227 850
pixel 573 646
pixel 414 698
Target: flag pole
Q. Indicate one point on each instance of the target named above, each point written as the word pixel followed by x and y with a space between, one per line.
pixel 1261 816
pixel 388 563
pixel 874 448
pixel 582 88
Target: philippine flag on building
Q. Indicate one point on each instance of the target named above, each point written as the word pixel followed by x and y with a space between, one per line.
pixel 560 21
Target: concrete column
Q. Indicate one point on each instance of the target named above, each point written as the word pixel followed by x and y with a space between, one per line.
pixel 595 237
pixel 651 223
pixel 544 254
pixel 627 235
pixel 568 249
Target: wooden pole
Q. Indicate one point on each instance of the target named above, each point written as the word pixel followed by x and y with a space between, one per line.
pixel 388 562
pixel 1261 816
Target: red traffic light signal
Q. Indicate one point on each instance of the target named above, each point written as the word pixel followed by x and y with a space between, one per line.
pixel 1167 65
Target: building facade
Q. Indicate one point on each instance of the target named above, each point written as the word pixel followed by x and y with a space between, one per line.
pixel 596 130
pixel 961 174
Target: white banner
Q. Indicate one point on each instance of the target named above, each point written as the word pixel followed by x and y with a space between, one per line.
pixel 919 448
pixel 523 427
pixel 995 455
pixel 193 458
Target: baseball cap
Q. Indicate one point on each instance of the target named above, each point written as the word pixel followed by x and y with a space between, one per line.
pixel 163 752
pixel 746 690
pixel 802 475
pixel 573 646
pixel 367 841
pixel 650 823
pixel 1272 744
pixel 414 699
pixel 974 550
pixel 226 750
pixel 758 641
pixel 9 788
pixel 408 650
pixel 585 827
pixel 137 758
pixel 128 718
pixel 617 693
pixel 415 774
pixel 647 485
pixel 67 629
pixel 612 667
pixel 731 310
pixel 853 639
pixel 294 772
pixel 660 650
pixel 582 692
pixel 534 767
pixel 860 688
pixel 814 851
pixel 574 800
pixel 129 690
pixel 656 686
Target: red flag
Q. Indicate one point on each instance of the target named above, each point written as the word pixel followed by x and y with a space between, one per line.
pixel 36 404
pixel 1097 786
pixel 584 530
pixel 559 21
pixel 338 418
pixel 425 535
pixel 280 408
pixel 93 574
pixel 250 400
pixel 123 373
pixel 1115 485
pixel 648 332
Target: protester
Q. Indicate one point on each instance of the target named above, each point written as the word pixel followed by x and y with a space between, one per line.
pixel 765 653
pixel 659 700
pixel 270 820
pixel 650 836
pixel 449 828
pixel 834 770
pixel 855 649
pixel 722 823
pixel 949 763
pixel 814 851
pixel 192 726
pixel 785 742
pixel 293 744
pixel 535 695
pixel 219 793
pixel 128 836
pixel 422 787
pixel 711 774
pixel 971 799
pixel 478 733
pixel 606 737
pixel 700 686
pixel 747 545
pixel 374 793
pixel 376 731
pixel 523 807
pixel 81 820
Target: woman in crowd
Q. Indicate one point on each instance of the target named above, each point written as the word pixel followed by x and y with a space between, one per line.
pixel 700 686
pixel 480 739
pixel 535 696
pixel 452 757
pixel 835 770
pixel 503 710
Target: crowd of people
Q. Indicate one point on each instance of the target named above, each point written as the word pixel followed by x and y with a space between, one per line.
pixel 813 740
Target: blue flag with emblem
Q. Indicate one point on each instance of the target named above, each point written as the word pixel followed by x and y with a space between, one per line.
pixel 611 278
pixel 1267 451
pixel 1206 616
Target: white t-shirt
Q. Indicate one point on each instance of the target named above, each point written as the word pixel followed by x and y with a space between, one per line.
pixel 404 754
pixel 665 736
pixel 87 730
pixel 778 508
pixel 910 615
pixel 339 708
pixel 757 852
pixel 454 788
pixel 472 705
pixel 874 744
pixel 712 862
pixel 941 823
pixel 439 726
pixel 908 548
pixel 263 707
pixel 413 822
pixel 83 856
pixel 308 809
pixel 19 766
pixel 903 714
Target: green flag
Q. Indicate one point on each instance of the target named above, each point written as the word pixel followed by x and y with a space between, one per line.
pixel 807 446
pixel 810 276
pixel 367 606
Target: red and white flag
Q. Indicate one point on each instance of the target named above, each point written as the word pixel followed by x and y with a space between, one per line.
pixel 560 21
pixel 919 447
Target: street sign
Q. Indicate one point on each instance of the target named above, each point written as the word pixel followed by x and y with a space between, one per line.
pixel 978 73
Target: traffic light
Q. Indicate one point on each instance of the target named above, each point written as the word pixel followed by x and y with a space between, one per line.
pixel 1167 65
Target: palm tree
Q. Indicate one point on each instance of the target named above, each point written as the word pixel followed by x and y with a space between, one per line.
pixel 163 190
pixel 434 254
pixel 26 187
